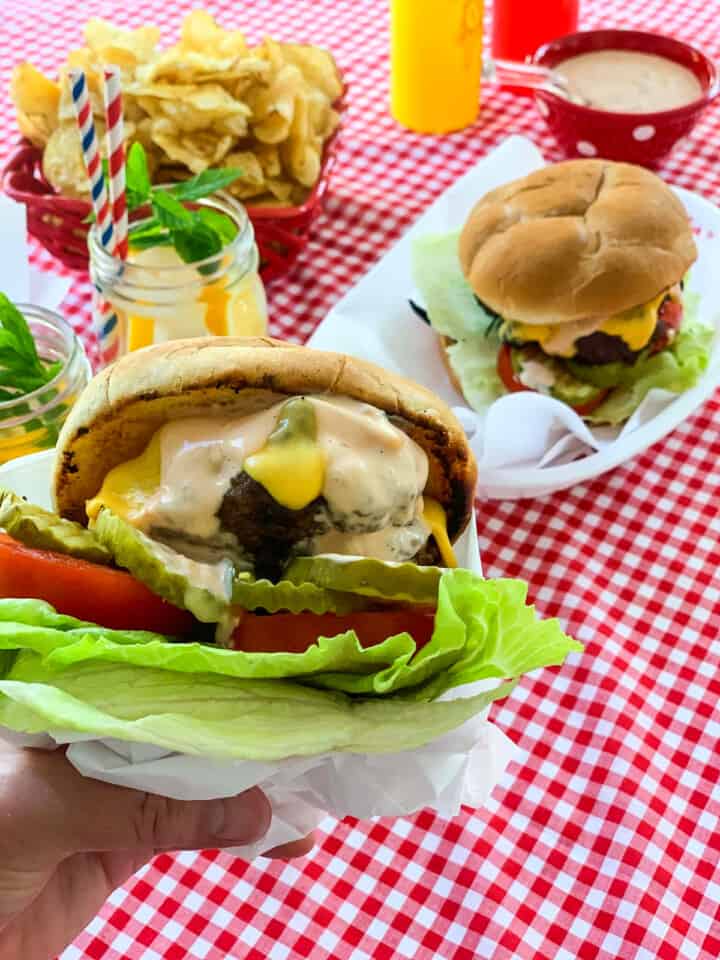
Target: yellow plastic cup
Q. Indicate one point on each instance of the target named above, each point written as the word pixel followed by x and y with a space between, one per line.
pixel 436 58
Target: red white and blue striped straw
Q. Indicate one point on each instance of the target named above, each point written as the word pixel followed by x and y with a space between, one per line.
pixel 91 156
pixel 116 158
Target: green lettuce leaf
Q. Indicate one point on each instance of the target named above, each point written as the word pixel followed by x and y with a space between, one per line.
pixel 482 629
pixel 221 717
pixel 676 369
pixel 67 674
pixel 453 311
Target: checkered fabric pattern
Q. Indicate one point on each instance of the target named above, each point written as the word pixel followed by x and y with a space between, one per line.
pixel 604 841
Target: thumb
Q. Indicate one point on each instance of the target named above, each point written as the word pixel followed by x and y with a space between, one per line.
pixel 54 811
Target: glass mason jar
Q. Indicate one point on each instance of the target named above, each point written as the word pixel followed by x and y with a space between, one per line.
pixel 32 422
pixel 155 296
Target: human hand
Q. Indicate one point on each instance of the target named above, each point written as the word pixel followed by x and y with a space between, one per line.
pixel 66 842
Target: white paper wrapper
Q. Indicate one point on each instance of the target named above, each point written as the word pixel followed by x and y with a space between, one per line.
pixel 461 767
pixel 526 444
pixel 18 280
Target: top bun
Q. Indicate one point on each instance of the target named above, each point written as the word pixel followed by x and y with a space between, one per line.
pixel 574 240
pixel 120 410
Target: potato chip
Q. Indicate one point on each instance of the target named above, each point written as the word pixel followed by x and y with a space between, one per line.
pixel 37 100
pixel 200 32
pixel 194 107
pixel 280 190
pixel 197 151
pixel 210 99
pixel 268 156
pixel 273 107
pixel 121 47
pixel 252 181
pixel 63 165
pixel 188 66
pixel 317 66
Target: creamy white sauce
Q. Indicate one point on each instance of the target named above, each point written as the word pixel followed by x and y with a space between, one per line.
pixel 216 578
pixel 627 81
pixel 536 375
pixel 374 470
pixel 374 478
pixel 390 543
pixel 199 457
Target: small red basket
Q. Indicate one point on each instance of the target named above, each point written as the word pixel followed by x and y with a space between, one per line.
pixel 58 222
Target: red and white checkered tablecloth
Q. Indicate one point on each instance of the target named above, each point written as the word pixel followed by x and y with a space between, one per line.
pixel 604 842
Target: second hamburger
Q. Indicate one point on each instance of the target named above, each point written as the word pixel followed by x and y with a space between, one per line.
pixel 574 276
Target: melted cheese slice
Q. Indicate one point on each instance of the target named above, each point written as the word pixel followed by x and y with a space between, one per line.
pixel 434 517
pixel 292 472
pixel 634 326
pixel 127 487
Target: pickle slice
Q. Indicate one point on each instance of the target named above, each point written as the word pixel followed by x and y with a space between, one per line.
pixel 293 597
pixel 43 530
pixel 202 588
pixel 368 577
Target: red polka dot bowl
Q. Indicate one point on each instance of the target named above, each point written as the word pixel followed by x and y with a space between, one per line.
pixel 642 138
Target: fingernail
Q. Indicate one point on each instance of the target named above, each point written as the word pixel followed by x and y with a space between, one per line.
pixel 242 819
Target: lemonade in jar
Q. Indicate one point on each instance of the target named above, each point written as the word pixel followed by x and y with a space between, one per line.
pixel 191 271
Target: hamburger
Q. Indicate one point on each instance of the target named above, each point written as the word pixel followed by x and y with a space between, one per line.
pixel 573 279
pixel 263 526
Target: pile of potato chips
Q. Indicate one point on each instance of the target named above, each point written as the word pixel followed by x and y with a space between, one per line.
pixel 211 100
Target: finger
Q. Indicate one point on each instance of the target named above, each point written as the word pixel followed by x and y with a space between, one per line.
pixel 66 903
pixel 291 851
pixel 57 812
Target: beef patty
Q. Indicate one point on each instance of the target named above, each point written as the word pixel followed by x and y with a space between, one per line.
pixel 265 528
pixel 269 532
pixel 600 347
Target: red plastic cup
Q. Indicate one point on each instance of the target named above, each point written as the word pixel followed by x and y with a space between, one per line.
pixel 519 27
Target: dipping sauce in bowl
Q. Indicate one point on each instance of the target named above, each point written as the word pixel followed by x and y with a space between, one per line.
pixel 633 95
pixel 626 81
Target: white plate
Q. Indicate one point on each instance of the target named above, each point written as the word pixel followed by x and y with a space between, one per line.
pixel 373 321
pixel 30 477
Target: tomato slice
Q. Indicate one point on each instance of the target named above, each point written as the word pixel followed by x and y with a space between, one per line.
pixel 670 315
pixel 88 591
pixel 513 384
pixel 506 372
pixel 295 632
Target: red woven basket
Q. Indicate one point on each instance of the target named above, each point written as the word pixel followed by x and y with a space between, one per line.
pixel 58 222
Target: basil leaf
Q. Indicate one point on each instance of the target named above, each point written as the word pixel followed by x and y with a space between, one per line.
pixel 197 243
pixel 170 212
pixel 223 226
pixel 205 183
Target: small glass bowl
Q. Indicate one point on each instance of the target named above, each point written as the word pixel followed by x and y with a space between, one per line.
pixel 32 422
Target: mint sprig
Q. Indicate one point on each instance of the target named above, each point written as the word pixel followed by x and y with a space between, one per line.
pixel 195 234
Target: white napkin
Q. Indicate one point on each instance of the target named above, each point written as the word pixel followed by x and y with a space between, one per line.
pixel 20 282
pixel 526 444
